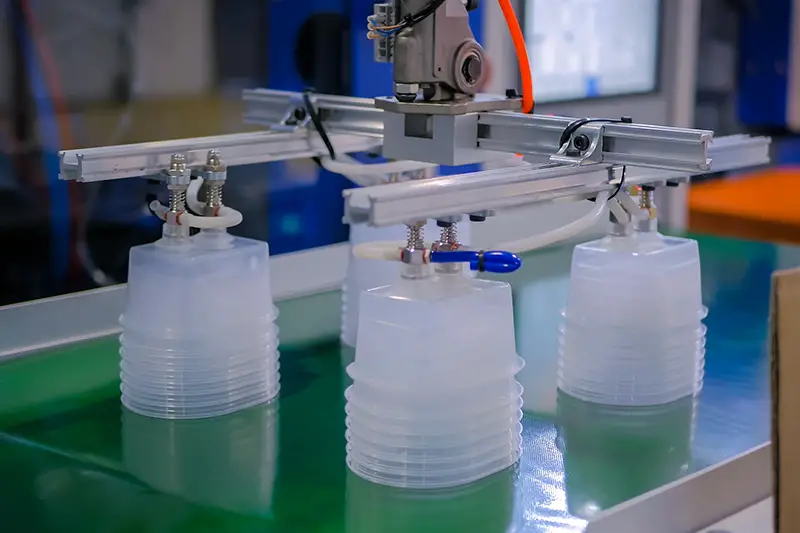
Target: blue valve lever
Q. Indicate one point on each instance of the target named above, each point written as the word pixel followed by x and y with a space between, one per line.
pixel 497 262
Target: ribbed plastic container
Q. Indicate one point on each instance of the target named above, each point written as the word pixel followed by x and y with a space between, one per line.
pixel 434 402
pixel 199 338
pixel 632 332
pixel 365 274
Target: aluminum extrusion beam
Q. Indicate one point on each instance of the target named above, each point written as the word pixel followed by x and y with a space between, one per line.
pixel 147 159
pixel 537 136
pixel 355 124
pixel 282 110
pixel 517 186
pixel 614 143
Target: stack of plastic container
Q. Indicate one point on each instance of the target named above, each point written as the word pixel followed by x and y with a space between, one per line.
pixel 632 331
pixel 199 338
pixel 434 401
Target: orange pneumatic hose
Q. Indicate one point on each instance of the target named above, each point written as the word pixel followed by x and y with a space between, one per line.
pixel 522 54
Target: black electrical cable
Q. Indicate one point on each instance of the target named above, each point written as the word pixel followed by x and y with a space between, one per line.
pixel 621 184
pixel 424 13
pixel 317 121
pixel 412 19
pixel 575 125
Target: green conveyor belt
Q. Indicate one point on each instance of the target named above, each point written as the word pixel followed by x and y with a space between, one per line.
pixel 71 459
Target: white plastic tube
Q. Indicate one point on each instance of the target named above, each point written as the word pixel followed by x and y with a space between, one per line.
pixel 381 251
pixel 192 193
pixel 226 217
pixel 562 233
pixel 623 217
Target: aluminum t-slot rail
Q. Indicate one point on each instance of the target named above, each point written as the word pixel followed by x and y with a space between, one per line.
pixel 643 145
pixel 148 159
pixel 475 137
pixel 285 110
pixel 504 188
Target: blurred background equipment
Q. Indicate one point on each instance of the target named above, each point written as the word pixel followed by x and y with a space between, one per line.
pixel 150 78
pixel 749 81
pixel 591 50
pixel 90 73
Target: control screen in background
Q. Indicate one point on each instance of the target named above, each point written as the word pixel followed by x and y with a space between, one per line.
pixel 592 48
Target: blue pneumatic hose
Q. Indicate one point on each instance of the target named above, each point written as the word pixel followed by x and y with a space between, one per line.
pixel 497 262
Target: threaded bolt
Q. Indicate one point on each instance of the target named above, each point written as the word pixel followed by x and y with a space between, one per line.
pixel 178 172
pixel 214 173
pixel 214 161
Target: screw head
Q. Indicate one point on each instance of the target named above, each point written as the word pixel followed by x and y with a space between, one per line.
pixel 581 143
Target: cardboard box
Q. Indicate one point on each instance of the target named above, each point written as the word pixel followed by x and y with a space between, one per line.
pixel 785 332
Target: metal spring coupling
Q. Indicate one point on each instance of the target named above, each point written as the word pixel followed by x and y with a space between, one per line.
pixel 214 196
pixel 448 242
pixel 449 235
pixel 177 178
pixel 414 255
pixel 177 200
pixel 415 237
pixel 215 174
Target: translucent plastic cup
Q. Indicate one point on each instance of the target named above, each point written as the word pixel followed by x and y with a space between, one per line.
pixel 632 331
pixel 221 368
pixel 443 330
pixel 657 375
pixel 429 479
pixel 416 437
pixel 181 409
pixel 199 338
pixel 632 336
pixel 632 398
pixel 176 346
pixel 452 445
pixel 488 392
pixel 193 388
pixel 610 380
pixel 428 459
pixel 391 422
pixel 434 400
pixel 391 409
pixel 199 396
pixel 426 384
pixel 661 357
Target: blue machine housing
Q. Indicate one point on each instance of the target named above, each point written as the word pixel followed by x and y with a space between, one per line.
pixel 769 74
pixel 307 213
